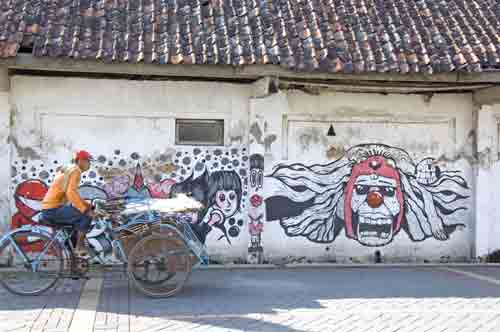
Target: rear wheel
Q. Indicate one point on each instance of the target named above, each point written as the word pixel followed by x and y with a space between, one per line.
pixel 159 265
pixel 31 268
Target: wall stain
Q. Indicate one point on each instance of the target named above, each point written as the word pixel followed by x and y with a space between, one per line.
pixel 468 151
pixel 312 136
pixel 12 116
pixel 257 133
pixel 23 152
pixel 335 152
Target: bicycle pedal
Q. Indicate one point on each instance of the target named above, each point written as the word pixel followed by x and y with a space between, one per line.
pixel 80 277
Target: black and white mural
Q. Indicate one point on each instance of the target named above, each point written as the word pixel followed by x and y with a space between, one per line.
pixel 372 192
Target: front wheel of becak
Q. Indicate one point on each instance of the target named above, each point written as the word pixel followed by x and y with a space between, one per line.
pixel 159 265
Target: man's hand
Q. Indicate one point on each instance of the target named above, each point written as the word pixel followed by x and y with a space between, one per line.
pixel 91 214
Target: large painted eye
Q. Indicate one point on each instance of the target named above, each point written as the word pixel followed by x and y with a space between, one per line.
pixel 387 191
pixel 260 179
pixel 362 190
pixel 253 178
pixel 222 197
pixel 232 196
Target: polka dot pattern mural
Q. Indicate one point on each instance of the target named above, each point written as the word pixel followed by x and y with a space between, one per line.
pixel 214 176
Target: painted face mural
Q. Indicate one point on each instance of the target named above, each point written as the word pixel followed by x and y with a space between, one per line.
pixel 373 204
pixel 28 200
pixel 221 193
pixel 372 192
pixel 227 202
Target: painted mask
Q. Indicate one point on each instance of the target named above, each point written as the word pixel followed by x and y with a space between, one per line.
pixel 373 205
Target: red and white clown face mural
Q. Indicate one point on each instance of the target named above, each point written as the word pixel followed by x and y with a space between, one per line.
pixel 373 204
pixel 372 192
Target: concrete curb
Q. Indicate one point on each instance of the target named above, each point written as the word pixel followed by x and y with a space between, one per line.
pixel 342 266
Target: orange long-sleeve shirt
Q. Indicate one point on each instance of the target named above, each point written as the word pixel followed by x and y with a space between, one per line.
pixel 57 196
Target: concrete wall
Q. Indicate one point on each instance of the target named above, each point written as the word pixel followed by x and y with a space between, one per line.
pixel 397 177
pixel 5 112
pixel 488 181
pixel 130 128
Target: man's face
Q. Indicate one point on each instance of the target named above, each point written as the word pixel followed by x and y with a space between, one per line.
pixel 84 164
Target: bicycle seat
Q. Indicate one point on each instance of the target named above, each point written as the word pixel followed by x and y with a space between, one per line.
pixel 56 223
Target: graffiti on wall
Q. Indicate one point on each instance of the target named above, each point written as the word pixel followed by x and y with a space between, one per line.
pixel 215 176
pixel 256 209
pixel 372 192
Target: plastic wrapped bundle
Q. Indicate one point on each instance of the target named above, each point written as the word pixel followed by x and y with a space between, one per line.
pixel 179 204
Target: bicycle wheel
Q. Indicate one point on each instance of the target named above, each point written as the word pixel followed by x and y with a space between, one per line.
pixel 31 268
pixel 151 275
pixel 159 265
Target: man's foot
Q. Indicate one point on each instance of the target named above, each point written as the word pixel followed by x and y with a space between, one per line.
pixel 82 254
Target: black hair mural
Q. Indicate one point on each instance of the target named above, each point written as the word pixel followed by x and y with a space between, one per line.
pixel 204 189
pixel 224 180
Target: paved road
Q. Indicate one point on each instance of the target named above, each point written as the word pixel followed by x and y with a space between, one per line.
pixel 340 300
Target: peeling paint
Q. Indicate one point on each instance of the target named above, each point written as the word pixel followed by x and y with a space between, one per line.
pixel 465 152
pixel 312 136
pixel 256 132
pixel 23 152
pixel 335 152
pixel 12 116
pixel 235 135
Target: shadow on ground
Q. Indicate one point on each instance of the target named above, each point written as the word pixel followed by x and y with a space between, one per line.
pixel 231 297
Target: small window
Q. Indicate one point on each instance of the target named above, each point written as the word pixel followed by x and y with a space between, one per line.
pixel 199 132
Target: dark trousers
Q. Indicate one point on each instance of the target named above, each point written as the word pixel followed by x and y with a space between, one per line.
pixel 67 214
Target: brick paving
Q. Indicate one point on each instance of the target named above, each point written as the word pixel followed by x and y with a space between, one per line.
pixel 340 300
pixel 49 312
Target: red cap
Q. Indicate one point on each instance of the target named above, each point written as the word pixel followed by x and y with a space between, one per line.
pixel 82 154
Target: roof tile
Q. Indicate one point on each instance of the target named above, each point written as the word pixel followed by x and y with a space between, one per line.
pixel 348 36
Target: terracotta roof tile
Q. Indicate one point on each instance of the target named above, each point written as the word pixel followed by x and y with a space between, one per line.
pixel 351 36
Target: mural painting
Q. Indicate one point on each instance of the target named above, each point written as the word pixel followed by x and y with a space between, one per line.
pixel 256 209
pixel 372 192
pixel 28 198
pixel 221 194
pixel 369 194
pixel 217 177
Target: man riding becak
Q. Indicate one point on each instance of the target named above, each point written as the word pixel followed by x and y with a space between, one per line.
pixel 63 202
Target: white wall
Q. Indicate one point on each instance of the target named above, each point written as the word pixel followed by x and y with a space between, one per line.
pixel 116 118
pixel 4 160
pixel 488 181
pixel 126 123
pixel 438 128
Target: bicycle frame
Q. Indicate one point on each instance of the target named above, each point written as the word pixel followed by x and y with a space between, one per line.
pixel 61 236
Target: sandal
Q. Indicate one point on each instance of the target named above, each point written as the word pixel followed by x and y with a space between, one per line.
pixel 82 254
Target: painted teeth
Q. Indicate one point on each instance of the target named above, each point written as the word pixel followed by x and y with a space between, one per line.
pixel 375 221
pixel 366 233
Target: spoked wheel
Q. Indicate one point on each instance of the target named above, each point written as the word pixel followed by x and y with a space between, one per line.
pixel 30 263
pixel 159 265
